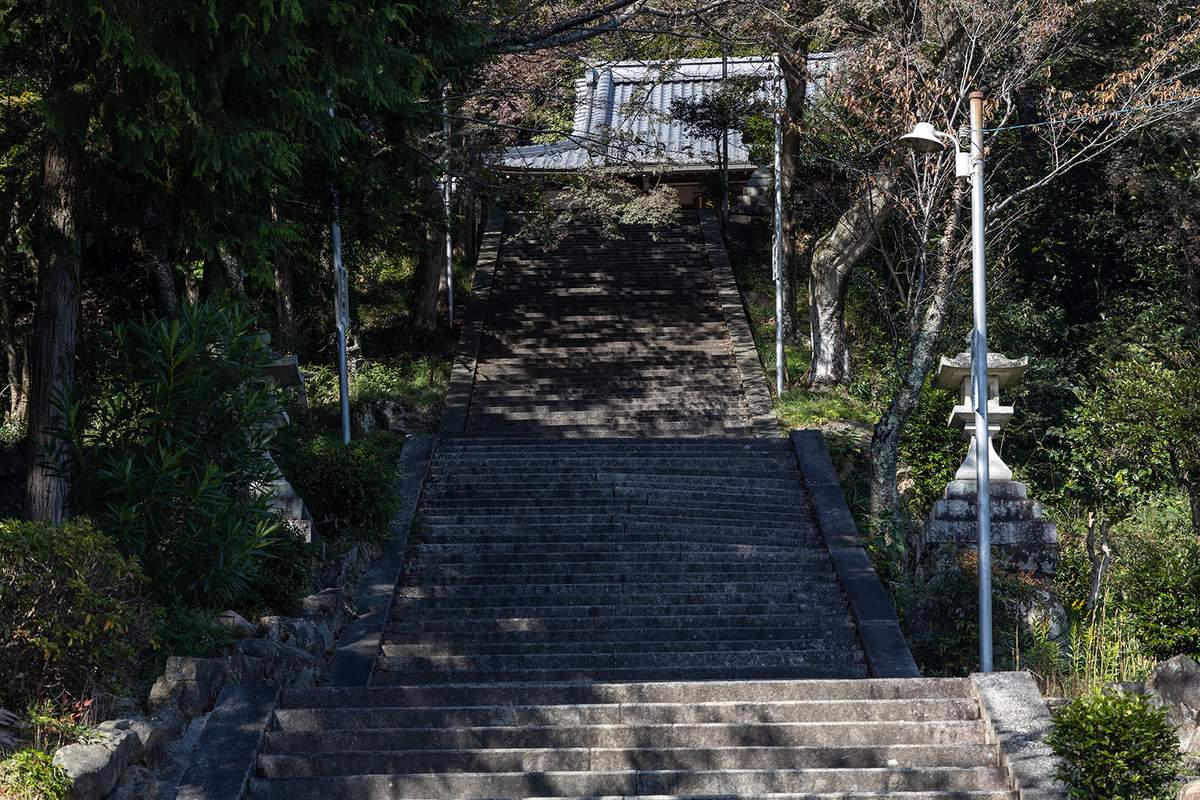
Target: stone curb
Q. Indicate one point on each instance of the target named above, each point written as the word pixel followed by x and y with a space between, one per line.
pixel 358 644
pixel 758 396
pixel 1017 719
pixel 228 747
pixel 458 398
pixel 883 643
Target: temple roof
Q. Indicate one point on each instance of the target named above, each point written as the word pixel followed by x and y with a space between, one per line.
pixel 623 115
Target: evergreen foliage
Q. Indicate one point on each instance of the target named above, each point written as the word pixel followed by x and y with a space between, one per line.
pixel 1115 746
pixel 73 617
pixel 166 447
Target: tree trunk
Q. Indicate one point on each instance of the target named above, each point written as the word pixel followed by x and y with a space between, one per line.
pixel 285 291
pixel 162 285
pixel 15 390
pixel 431 271
pixel 1193 493
pixel 885 440
pixel 15 386
pixel 55 326
pixel 285 296
pixel 191 288
pixel 834 257
pixel 158 269
pixel 794 61
pixel 21 407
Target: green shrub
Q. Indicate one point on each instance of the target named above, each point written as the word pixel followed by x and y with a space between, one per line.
pixel 348 488
pixel 72 613
pixel 30 775
pixel 1163 600
pixel 941 616
pixel 284 576
pixel 166 443
pixel 1115 746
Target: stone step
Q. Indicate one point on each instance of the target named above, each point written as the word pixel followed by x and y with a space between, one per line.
pixel 429 567
pixel 389 673
pixel 606 759
pixel 784 487
pixel 629 638
pixel 585 431
pixel 596 552
pixel 671 593
pixel 471 514
pixel 649 620
pixel 631 714
pixel 488 533
pixel 535 406
pixel 430 571
pixel 612 425
pixel 567 661
pixel 575 647
pixel 643 782
pixel 681 416
pixel 540 580
pixel 526 693
pixel 741 734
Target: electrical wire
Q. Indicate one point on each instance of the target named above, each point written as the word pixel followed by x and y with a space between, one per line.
pixel 1092 116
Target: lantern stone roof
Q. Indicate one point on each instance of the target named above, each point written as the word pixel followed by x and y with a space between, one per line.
pixel 623 115
pixel 1007 371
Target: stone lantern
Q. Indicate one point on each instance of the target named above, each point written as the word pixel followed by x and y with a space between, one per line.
pixel 1002 373
pixel 1022 540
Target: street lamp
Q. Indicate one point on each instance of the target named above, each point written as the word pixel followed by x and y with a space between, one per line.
pixel 924 139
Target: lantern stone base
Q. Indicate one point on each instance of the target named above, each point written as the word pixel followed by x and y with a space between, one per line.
pixel 1022 541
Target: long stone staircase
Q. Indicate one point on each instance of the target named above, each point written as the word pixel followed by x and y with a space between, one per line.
pixel 607 338
pixel 589 608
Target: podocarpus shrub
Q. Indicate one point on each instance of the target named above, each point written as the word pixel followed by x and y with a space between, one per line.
pixel 72 613
pixel 166 441
pixel 284 576
pixel 1115 747
pixel 348 488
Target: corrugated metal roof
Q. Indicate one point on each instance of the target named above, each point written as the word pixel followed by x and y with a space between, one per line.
pixel 622 115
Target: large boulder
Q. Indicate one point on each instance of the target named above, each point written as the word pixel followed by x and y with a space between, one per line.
pixel 94 768
pixel 282 664
pixel 1175 683
pixel 192 684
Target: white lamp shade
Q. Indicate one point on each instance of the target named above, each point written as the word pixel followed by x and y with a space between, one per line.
pixel 923 139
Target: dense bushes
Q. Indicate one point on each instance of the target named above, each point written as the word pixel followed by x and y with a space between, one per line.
pixel 166 441
pixel 348 488
pixel 30 775
pixel 72 612
pixel 284 576
pixel 1150 589
pixel 1115 747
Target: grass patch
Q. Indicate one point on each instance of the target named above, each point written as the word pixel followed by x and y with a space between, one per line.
pixel 797 407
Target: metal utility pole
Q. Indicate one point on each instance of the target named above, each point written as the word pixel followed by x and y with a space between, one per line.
pixel 341 306
pixel 777 250
pixel 341 310
pixel 924 139
pixel 447 194
pixel 980 383
pixel 724 148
